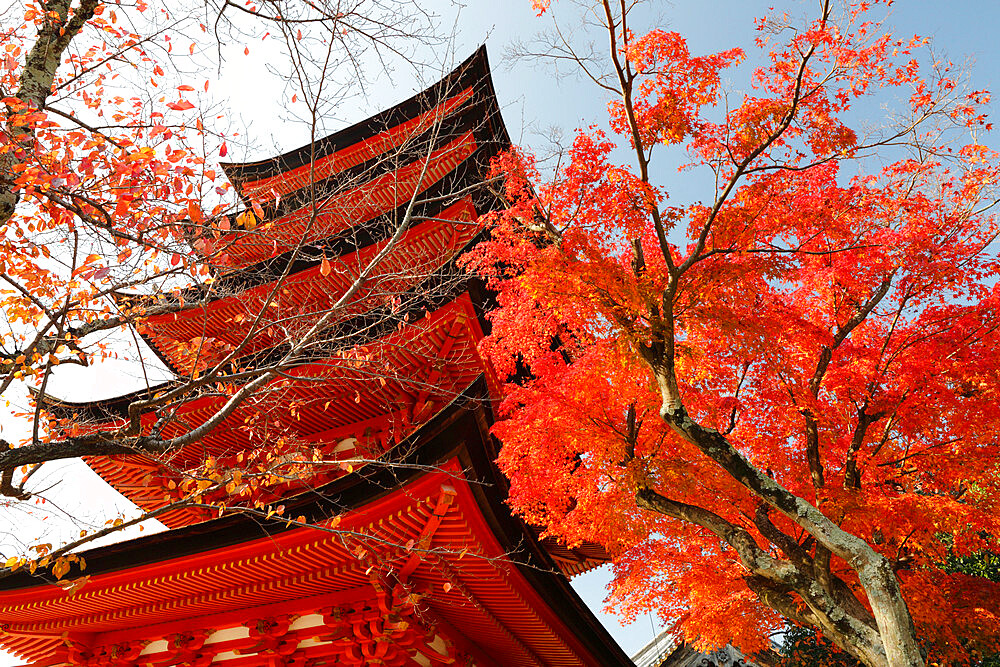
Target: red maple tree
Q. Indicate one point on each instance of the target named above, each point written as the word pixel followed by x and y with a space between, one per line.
pixel 780 401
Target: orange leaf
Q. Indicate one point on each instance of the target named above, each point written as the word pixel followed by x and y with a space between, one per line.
pixel 247 220
pixel 71 586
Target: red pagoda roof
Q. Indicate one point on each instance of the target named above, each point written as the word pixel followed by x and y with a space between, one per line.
pixel 469 84
pixel 440 140
pixel 416 565
pixel 420 367
pixel 259 317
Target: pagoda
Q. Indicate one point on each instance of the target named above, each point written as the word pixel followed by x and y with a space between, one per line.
pixel 360 518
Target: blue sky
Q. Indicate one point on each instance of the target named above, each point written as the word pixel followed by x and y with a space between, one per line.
pixel 533 98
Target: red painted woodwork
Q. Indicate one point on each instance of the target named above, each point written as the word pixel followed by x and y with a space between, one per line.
pixel 262 317
pixel 374 603
pixel 295 179
pixel 437 353
pixel 339 211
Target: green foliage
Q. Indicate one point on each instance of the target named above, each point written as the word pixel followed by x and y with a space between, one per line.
pixel 983 564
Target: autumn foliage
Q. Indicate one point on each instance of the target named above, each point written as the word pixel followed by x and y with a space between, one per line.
pixel 689 376
pixel 96 185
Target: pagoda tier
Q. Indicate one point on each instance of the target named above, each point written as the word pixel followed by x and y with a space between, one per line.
pixel 434 144
pixel 292 434
pixel 262 311
pixel 421 564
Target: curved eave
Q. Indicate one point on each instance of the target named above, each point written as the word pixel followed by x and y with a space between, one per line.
pixel 473 72
pixel 458 432
pixel 375 323
pixel 332 408
pixel 230 313
pixel 351 491
pixel 115 407
pixel 457 155
pixel 516 536
pixel 350 241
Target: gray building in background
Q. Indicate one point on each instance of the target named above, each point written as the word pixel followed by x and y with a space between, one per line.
pixel 667 651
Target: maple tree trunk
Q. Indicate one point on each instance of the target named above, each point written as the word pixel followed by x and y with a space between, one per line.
pixel 895 644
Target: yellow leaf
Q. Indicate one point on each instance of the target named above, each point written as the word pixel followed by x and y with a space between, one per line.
pixel 60 569
pixel 247 220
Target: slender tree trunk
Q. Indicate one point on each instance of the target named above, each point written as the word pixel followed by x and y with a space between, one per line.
pixel 62 24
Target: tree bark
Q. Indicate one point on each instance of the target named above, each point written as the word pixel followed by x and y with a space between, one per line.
pixel 774 580
pixel 895 625
pixel 40 65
